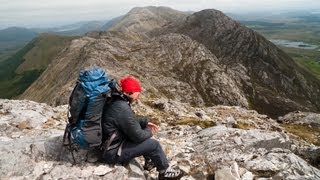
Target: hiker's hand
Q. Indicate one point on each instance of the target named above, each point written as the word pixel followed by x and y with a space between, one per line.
pixel 154 128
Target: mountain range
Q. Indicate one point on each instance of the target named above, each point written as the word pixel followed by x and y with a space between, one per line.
pixel 14 38
pixel 205 58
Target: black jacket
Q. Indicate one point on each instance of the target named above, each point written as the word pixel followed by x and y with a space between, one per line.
pixel 118 116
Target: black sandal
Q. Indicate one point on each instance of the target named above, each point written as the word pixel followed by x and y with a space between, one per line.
pixel 170 174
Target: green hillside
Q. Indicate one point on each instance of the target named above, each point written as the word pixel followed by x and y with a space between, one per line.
pixel 44 49
pixel 25 66
pixel 308 59
pixel 12 39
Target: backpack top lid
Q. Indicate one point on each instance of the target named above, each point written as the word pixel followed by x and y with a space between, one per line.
pixel 94 81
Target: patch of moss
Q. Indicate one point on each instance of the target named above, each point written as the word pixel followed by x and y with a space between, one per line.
pixel 166 93
pixel 243 125
pixel 305 132
pixel 151 94
pixel 199 158
pixel 265 173
pixel 120 58
pixel 149 103
pixel 193 122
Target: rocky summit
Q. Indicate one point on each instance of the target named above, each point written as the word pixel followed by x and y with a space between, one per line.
pixel 218 142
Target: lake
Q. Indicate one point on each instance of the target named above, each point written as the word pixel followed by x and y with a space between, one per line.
pixel 293 44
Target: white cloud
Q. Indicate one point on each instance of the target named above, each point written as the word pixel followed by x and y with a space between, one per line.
pixel 35 12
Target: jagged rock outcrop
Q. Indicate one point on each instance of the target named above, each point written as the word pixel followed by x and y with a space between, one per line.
pixel 304 124
pixel 31 145
pixel 308 118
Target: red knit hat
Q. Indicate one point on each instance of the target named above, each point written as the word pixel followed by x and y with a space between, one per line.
pixel 130 84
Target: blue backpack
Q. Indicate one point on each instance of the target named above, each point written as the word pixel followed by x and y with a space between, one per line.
pixel 86 104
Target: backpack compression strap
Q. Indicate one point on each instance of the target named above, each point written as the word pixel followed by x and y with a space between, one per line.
pixel 67 133
pixel 107 144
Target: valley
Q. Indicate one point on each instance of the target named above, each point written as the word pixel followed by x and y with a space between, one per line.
pixel 22 68
pixel 298 34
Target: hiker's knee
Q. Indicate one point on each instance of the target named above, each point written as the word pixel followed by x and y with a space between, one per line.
pixel 154 144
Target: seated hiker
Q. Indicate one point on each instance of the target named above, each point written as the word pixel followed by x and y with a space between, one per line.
pixel 127 136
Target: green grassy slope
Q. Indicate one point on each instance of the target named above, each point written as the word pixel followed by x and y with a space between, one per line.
pixel 12 39
pixel 307 59
pixel 21 69
pixel 45 48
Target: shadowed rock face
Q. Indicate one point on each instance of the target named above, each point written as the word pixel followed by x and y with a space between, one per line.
pixel 205 58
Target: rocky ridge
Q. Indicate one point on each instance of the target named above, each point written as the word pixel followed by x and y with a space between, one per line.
pixel 205 59
pixel 272 82
pixel 165 60
pixel 31 135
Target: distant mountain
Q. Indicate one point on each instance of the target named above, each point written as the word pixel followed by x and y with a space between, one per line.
pixel 12 39
pixel 313 18
pixel 21 34
pixel 74 29
pixel 17 34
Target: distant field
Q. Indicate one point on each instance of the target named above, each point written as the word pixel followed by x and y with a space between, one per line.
pixel 308 59
pixel 298 31
pixel 305 29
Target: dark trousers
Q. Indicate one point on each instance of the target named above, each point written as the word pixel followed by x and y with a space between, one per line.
pixel 150 148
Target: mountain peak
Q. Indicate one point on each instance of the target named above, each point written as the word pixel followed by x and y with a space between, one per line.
pixel 151 8
pixel 273 83
pixel 144 19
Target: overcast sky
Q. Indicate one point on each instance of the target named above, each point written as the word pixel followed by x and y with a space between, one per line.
pixel 46 13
